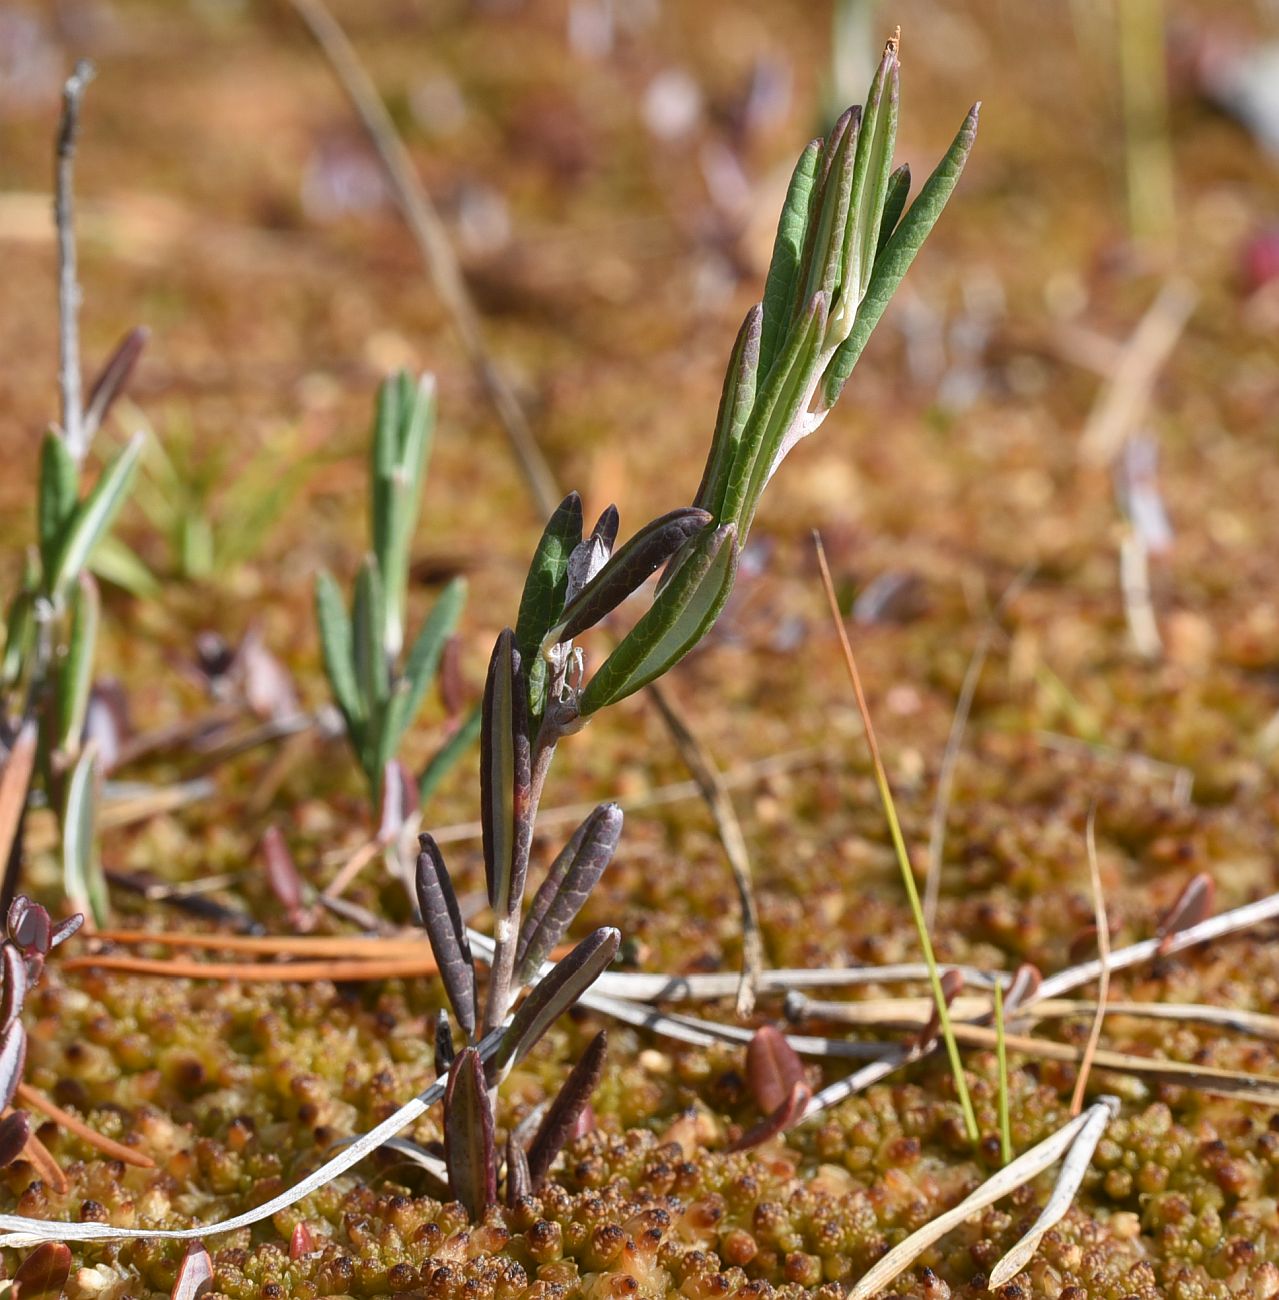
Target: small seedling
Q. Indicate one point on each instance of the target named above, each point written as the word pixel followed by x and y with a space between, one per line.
pixel 378 693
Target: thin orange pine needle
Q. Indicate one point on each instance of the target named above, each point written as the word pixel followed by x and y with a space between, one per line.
pixel 302 972
pixel 108 1146
pixel 1103 953
pixel 275 945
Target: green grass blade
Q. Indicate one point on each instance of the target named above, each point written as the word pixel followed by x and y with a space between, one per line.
pixel 90 522
pixel 337 647
pixel 59 494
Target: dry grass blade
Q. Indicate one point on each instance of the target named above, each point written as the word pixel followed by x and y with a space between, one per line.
pixel 1073 1169
pixel 1103 949
pixel 1021 1171
pixel 713 789
pixel 899 845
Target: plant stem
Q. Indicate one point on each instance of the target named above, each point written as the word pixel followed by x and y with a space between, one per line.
pixel 68 285
pixel 899 846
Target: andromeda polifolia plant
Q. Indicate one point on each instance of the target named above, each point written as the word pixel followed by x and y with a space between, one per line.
pixel 377 689
pixel 844 242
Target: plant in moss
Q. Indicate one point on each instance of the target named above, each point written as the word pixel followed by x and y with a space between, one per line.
pixel 377 688
pixel 844 242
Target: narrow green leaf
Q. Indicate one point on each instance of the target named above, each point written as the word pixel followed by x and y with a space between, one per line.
pixel 788 251
pixel 446 930
pixel 82 879
pixel 90 522
pixel 504 776
pixel 569 880
pixel 114 561
pixel 893 263
pixel 894 205
pixel 336 644
pixel 368 618
pixel 447 756
pixel 75 674
pixel 58 498
pixel 469 1150
pixel 19 637
pixel 735 405
pixel 424 658
pixel 774 416
pixel 554 994
pixel 543 596
pixel 680 616
pixel 870 184
pixel 627 569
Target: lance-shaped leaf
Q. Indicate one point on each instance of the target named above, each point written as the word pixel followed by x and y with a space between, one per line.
pixel 734 409
pixel 282 876
pixel 873 165
pixel 82 879
pixel 543 597
pixel 75 677
pixel 518 1182
pixel 824 253
pixel 605 530
pixel 894 205
pixel 773 1068
pixel 61 932
pixel 468 1135
pixel 13 969
pixel 560 1120
pixel 401 446
pixel 43 1272
pixel 195 1274
pixel 447 932
pixel 1192 905
pixel 894 261
pixel 788 252
pixel 13 1058
pixel 424 657
pixel 776 408
pixel 15 1133
pixel 554 994
pixel 627 570
pixel 112 379
pixel 94 516
pixel 569 881
pixel 678 619
pixel 59 495
pixel 504 776
pixel 19 637
pixel 337 646
pixel 368 617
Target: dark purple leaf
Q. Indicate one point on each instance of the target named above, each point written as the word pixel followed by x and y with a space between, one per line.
pixel 1025 984
pixel 447 932
pixel 13 1056
pixel 43 1272
pixel 113 377
pixel 29 925
pixel 555 994
pixel 451 687
pixel 282 875
pixel 569 881
pixel 444 1052
pixel 628 569
pixel 195 1274
pixel 65 929
pixel 15 1130
pixel 773 1068
pixel 13 970
pixel 560 1121
pixel 1194 904
pixel 518 1184
pixel 606 526
pixel 505 777
pixel 789 1112
pixel 468 1135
